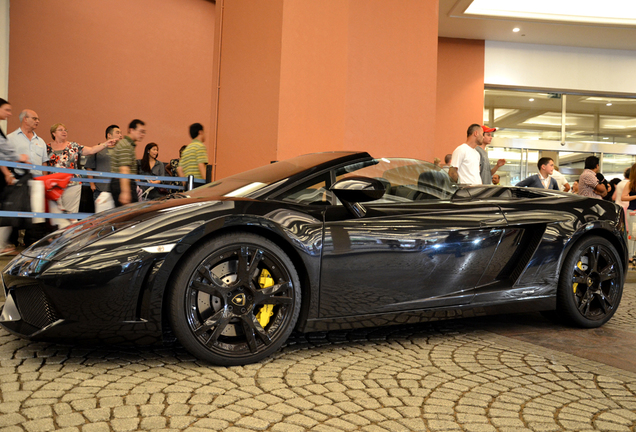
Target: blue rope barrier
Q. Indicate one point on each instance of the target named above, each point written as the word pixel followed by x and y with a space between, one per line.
pixel 95 173
pixel 107 176
pixel 19 214
pixel 103 180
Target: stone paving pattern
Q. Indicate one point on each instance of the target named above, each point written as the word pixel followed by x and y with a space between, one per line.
pixel 444 376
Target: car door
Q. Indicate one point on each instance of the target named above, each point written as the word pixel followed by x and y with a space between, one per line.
pixel 423 244
pixel 405 256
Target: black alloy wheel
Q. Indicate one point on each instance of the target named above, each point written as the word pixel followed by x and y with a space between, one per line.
pixel 591 283
pixel 236 300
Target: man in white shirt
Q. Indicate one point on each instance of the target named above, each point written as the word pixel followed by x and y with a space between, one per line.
pixel 25 141
pixel 465 162
pixel 561 180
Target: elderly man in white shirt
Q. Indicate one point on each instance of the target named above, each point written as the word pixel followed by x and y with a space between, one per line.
pixel 25 141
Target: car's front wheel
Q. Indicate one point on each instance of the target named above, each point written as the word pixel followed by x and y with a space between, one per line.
pixel 235 300
pixel 591 283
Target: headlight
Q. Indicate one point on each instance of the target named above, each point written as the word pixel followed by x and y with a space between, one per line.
pixel 64 242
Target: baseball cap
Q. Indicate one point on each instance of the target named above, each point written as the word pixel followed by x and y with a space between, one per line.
pixel 487 129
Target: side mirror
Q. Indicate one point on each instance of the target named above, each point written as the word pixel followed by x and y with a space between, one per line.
pixel 354 190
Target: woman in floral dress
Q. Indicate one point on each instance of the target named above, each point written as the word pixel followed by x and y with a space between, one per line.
pixel 65 154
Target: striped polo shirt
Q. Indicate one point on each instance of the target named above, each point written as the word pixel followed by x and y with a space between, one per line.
pixel 194 154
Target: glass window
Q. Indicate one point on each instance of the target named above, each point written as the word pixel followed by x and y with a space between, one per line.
pixel 532 157
pixel 538 115
pixel 510 173
pixel 523 115
pixel 614 165
pixel 600 119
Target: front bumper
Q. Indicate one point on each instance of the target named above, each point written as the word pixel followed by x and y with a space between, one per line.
pixel 74 300
pixel 37 312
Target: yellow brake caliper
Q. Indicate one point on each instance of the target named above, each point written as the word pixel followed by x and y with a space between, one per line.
pixel 583 267
pixel 265 280
pixel 579 265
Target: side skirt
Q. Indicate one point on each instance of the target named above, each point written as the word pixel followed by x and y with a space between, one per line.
pixel 429 315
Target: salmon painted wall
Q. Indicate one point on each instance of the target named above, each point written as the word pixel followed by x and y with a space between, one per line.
pixel 392 68
pixel 90 64
pixel 460 92
pixel 345 75
pixel 313 80
pixel 249 83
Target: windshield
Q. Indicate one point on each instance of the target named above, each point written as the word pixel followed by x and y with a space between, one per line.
pixel 404 180
pixel 258 181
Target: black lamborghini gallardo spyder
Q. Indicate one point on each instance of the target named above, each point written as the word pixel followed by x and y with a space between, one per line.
pixel 321 241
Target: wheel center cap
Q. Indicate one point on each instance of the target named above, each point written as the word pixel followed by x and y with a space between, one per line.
pixel 239 300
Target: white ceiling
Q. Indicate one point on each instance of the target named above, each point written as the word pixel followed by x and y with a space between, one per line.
pixel 454 23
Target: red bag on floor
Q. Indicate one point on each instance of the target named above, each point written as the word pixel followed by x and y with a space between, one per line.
pixel 54 184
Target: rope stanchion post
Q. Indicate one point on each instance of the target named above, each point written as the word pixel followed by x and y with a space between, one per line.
pixel 208 173
pixel 190 184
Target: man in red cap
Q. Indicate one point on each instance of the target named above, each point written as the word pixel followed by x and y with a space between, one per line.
pixel 485 171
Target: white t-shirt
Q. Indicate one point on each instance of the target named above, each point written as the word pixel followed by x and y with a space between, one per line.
pixel 619 191
pixel 560 179
pixel 466 160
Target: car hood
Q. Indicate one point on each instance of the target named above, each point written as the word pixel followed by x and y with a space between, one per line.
pixel 143 217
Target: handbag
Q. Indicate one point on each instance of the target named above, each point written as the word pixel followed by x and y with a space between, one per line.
pixel 54 184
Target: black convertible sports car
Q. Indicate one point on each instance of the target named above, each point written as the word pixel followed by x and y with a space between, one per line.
pixel 318 242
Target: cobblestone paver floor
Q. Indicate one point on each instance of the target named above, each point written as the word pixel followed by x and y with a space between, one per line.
pixel 443 376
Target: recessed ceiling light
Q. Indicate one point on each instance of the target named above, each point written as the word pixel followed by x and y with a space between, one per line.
pixel 531 99
pixel 516 29
pixel 608 104
pixel 605 138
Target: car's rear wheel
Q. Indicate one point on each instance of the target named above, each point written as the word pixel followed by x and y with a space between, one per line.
pixel 591 283
pixel 235 300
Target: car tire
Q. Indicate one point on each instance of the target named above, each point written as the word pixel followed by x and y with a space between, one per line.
pixel 591 283
pixel 235 299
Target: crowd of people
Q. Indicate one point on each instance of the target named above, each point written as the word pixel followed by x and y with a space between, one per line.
pixel 469 164
pixel 116 154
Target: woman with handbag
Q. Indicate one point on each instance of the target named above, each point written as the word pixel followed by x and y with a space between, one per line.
pixel 151 166
pixel 65 154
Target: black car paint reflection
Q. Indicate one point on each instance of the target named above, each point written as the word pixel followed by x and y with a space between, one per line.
pixel 421 252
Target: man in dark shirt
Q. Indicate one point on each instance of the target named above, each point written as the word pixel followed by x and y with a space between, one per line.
pixel 124 161
pixel 101 161
pixel 485 171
